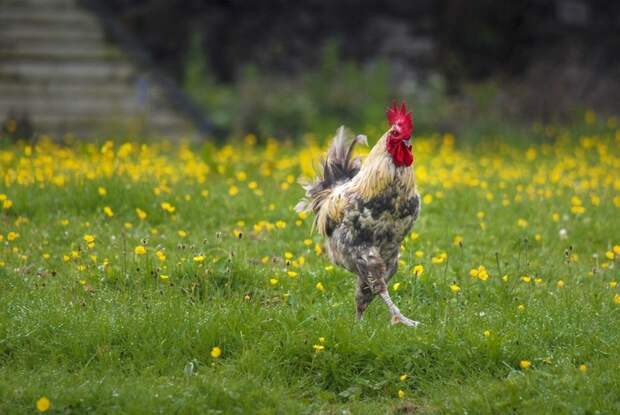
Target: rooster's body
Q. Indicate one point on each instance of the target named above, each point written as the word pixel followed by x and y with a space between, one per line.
pixel 366 210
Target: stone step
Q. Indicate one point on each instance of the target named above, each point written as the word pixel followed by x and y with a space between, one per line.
pixel 79 106
pixel 14 31
pixel 59 4
pixel 96 71
pixel 27 16
pixel 115 90
pixel 56 53
pixel 159 117
pixel 36 44
pixel 93 127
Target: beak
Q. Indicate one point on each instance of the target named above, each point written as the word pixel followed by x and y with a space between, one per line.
pixel 408 142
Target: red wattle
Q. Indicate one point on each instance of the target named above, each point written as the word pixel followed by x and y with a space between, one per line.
pixel 401 153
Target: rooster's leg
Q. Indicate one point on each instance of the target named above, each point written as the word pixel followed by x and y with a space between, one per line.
pixel 363 297
pixel 397 316
pixel 372 269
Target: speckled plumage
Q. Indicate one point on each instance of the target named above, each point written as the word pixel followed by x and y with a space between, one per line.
pixel 364 217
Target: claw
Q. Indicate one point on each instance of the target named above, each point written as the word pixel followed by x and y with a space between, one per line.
pixel 396 318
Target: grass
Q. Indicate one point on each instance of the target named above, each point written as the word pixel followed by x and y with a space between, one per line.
pixel 106 329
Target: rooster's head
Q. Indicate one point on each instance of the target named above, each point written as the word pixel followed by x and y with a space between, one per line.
pixel 399 136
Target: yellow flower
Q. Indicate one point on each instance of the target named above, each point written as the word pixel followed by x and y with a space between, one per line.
pixel 317 249
pixel 288 255
pixel 427 199
pixel 168 207
pixel 43 404
pixel 525 364
pixel 403 377
pixel 583 368
pixel 414 236
pixel 216 352
pixel 617 298
pixel 280 224
pixel 401 394
pixel 457 240
pixel 613 284
pixel 291 274
pixel 6 204
pixel 102 191
pixel 487 333
pixel 182 233
pixel 141 214
pixel 396 286
pixel 419 254
pixel 418 270
pixel 521 307
pixel 163 277
pixel 233 190
pixel 560 284
pixel 505 278
pixel 616 249
pixel 480 273
pixel 319 286
pixel 307 242
pixel 577 210
pixel 526 279
pixel 108 211
pixel 160 255
pixel 199 258
pixel 140 250
pixel 318 348
pixel 440 258
pixel 273 281
pixel 89 238
pixel 522 223
pixel 455 288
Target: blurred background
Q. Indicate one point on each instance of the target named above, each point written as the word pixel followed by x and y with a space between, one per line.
pixel 223 69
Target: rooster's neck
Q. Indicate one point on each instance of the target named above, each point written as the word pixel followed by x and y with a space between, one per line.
pixel 378 172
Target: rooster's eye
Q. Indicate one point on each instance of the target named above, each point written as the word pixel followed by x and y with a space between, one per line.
pixel 394 132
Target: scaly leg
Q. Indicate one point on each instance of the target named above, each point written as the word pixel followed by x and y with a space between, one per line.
pixel 397 316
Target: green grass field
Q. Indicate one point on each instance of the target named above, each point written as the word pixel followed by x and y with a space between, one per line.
pixel 174 279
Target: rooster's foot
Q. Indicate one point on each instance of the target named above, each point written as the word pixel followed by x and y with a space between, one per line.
pixel 399 318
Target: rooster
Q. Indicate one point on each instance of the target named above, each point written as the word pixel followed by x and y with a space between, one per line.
pixel 365 210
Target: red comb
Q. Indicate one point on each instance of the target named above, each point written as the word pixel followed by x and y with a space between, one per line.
pixel 396 115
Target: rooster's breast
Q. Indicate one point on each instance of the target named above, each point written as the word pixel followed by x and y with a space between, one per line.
pixel 382 221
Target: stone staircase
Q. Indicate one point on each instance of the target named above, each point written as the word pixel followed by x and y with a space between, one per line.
pixel 59 71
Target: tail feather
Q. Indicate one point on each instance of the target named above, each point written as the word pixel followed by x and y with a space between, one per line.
pixel 338 167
